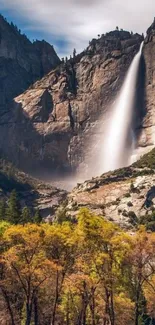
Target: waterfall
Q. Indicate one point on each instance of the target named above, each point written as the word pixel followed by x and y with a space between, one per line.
pixel 118 142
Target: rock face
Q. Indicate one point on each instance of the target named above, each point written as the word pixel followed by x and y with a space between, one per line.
pixel 147 138
pixel 117 201
pixel 123 196
pixel 51 124
pixel 21 62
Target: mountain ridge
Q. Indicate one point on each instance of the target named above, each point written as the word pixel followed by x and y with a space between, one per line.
pixel 21 61
pixel 61 112
pixel 49 126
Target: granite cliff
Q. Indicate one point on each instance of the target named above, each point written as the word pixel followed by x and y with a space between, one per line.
pixel 55 124
pixel 50 124
pixel 147 139
pixel 21 62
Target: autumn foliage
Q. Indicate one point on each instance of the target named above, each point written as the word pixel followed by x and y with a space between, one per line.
pixel 85 273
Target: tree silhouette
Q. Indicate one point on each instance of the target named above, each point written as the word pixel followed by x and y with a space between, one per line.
pixel 13 209
pixel 2 210
pixel 26 215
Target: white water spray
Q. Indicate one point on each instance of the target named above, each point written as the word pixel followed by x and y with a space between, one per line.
pixel 119 138
pixel 118 141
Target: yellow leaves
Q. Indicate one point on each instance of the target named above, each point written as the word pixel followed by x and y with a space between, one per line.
pixel 3 226
pixel 25 257
pixel 29 234
pixel 59 235
pixel 102 258
pixel 89 225
pixel 124 309
pixel 93 260
pixel 76 283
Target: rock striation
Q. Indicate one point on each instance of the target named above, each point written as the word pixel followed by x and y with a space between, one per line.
pixel 56 124
pixel 50 125
pixel 147 138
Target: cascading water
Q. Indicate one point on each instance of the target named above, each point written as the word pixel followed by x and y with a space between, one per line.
pixel 113 148
pixel 119 138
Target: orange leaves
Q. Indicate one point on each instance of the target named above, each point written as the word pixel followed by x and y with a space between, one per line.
pixel 149 290
pixel 91 270
pixel 124 310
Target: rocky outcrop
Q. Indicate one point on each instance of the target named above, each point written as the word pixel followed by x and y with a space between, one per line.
pixel 124 196
pixel 147 137
pixel 31 192
pixel 21 62
pixel 51 124
pixel 47 56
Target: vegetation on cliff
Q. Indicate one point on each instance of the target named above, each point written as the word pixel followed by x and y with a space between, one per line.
pixel 146 161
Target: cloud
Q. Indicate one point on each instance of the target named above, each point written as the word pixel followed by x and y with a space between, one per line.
pixel 78 21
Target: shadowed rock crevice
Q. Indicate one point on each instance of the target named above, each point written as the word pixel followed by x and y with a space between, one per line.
pixel 149 197
pixel 146 136
pixel 70 116
pixel 29 145
pixel 140 109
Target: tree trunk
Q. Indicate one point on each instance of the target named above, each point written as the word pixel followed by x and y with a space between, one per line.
pixel 137 302
pixel 7 300
pixel 92 307
pixel 112 313
pixel 79 322
pixel 84 304
pixel 83 317
pixel 56 299
pixel 35 311
pixel 28 313
pixel 106 320
pixel 137 308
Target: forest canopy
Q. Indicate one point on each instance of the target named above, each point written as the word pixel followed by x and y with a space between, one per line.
pixel 89 272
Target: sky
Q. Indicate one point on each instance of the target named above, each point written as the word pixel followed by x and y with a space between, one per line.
pixel 69 24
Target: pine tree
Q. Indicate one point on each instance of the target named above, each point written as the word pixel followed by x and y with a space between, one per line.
pixel 25 216
pixel 2 210
pixel 37 217
pixel 74 53
pixel 13 209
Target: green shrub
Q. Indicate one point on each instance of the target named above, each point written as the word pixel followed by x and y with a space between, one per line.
pixel 127 194
pixel 148 221
pixel 133 218
pixel 147 160
pixel 129 204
